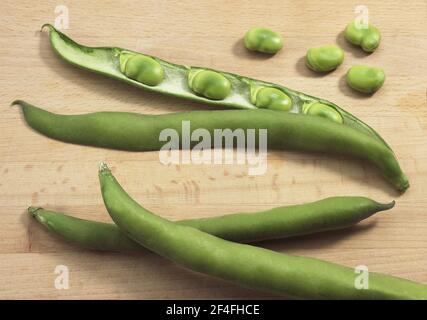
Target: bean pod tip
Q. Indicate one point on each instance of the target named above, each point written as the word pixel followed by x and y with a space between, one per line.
pixel 33 211
pixel 46 25
pixel 405 185
pixel 18 103
pixel 387 206
pixel 103 168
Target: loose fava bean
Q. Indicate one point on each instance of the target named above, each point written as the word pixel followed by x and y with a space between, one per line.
pixel 285 130
pixel 366 36
pixel 210 84
pixel 322 110
pixel 271 98
pixel 281 222
pixel 263 40
pixel 324 59
pixel 243 264
pixel 365 79
pixel 143 69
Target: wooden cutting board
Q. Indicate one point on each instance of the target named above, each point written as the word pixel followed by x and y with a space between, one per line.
pixel 35 170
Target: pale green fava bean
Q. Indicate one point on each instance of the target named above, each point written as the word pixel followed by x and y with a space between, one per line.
pixel 142 69
pixel 263 40
pixel 325 58
pixel 322 110
pixel 210 84
pixel 367 36
pixel 365 79
pixel 272 98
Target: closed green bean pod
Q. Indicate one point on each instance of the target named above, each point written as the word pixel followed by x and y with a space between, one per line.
pixel 85 233
pixel 136 132
pixel 281 222
pixel 242 264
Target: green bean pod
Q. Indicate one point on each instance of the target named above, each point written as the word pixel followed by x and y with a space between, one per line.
pixel 136 132
pixel 243 264
pixel 88 234
pixel 281 222
pixel 214 87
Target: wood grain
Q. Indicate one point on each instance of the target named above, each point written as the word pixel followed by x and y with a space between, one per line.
pixel 37 171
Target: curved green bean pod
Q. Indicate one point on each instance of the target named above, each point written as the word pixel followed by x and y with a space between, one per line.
pixel 242 264
pixel 242 93
pixel 136 132
pixel 281 222
pixel 85 233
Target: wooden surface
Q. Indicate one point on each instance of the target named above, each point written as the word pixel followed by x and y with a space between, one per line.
pixel 35 170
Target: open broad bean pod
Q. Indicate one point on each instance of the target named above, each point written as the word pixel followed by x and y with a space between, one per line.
pixel 197 83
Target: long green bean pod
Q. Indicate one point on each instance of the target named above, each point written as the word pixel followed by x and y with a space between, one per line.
pixel 281 222
pixel 243 264
pixel 136 132
pixel 198 83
